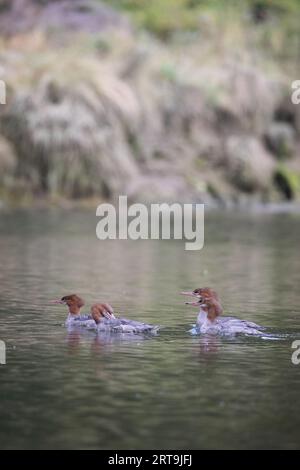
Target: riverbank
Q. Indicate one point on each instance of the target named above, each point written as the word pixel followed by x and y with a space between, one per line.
pixel 203 117
pixel 89 205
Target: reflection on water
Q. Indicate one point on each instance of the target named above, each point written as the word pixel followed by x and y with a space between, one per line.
pixel 75 389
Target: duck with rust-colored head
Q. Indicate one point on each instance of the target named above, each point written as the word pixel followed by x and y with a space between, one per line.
pixel 101 317
pixel 75 317
pixel 209 318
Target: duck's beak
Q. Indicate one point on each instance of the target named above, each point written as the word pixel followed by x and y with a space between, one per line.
pixel 57 301
pixel 194 303
pixel 191 294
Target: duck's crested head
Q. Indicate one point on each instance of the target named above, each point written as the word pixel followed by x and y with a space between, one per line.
pixel 207 299
pixel 206 293
pixel 73 301
pixel 202 294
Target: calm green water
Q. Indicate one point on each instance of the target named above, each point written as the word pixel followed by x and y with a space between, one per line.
pixel 60 390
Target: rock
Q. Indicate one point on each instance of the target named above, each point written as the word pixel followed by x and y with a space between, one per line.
pixel 248 165
pixel 244 97
pixel 280 139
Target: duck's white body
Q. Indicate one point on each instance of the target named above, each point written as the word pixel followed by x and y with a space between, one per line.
pixel 83 320
pixel 225 325
pixel 117 325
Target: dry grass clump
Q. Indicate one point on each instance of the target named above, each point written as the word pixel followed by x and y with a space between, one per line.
pixel 68 132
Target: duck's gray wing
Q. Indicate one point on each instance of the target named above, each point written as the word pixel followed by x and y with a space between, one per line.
pixel 123 325
pixel 137 326
pixel 246 323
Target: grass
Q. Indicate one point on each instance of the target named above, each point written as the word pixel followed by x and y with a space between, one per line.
pixel 271 25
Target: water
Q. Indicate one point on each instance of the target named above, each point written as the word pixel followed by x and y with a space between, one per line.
pixel 61 390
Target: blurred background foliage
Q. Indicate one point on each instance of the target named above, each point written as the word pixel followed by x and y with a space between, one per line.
pixel 156 99
pixel 278 21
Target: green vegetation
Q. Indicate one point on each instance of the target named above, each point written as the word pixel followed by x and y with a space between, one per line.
pixel 269 28
pixel 271 24
pixel 288 182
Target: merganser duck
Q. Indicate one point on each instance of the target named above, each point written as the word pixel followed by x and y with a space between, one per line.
pixel 101 318
pixel 208 320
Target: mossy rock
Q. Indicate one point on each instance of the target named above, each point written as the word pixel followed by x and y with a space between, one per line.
pixel 287 182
